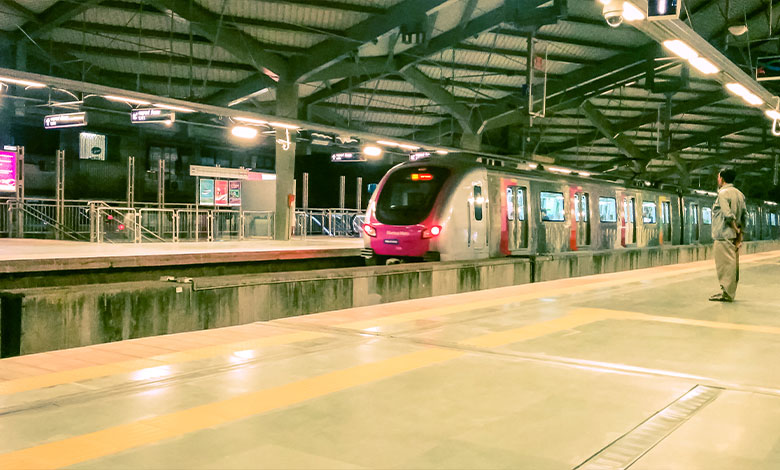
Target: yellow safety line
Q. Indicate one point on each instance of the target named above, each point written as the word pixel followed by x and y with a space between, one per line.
pixel 774 330
pixel 92 372
pixel 120 438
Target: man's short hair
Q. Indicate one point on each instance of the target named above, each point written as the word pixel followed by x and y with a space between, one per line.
pixel 728 175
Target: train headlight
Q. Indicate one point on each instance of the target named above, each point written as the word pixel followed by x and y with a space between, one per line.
pixel 369 230
pixel 432 232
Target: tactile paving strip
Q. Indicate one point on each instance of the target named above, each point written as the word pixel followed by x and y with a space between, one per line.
pixel 627 449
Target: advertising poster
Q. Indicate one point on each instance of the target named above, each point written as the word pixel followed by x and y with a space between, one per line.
pixel 234 193
pixel 221 193
pixel 206 192
pixel 7 171
pixel 92 146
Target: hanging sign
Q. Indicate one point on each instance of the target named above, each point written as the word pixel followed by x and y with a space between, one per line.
pixel 414 156
pixel 348 157
pixel 206 192
pixel 60 121
pixel 221 193
pixel 234 193
pixel 152 115
pixel 7 171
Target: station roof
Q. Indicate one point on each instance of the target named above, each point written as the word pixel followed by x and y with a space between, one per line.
pixel 431 70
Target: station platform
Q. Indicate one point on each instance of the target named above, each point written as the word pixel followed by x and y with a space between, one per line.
pixel 31 255
pixel 632 369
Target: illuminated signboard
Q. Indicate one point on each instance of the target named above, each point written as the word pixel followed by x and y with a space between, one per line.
pixel 59 121
pixel 221 193
pixel 348 157
pixel 419 156
pixel 149 115
pixel 206 192
pixel 663 9
pixel 7 171
pixel 768 68
pixel 234 193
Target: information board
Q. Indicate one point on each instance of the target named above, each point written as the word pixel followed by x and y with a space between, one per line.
pixel 206 192
pixel 234 193
pixel 59 121
pixel 7 171
pixel 151 115
pixel 221 193
pixel 768 68
pixel 348 157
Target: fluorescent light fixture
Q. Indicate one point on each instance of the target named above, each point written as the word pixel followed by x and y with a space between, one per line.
pixel 771 203
pixel 372 151
pixel 631 12
pixel 442 152
pixel 122 99
pixel 181 109
pixel 559 170
pixel 739 90
pixel 704 66
pixel 244 132
pixel 387 143
pixel 27 83
pixel 533 166
pixel 250 121
pixel 772 114
pixel 408 147
pixel 681 49
pixel 583 173
pixel 282 125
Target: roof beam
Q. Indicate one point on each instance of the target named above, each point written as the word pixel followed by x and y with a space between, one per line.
pixel 623 143
pixel 333 50
pixel 442 97
pixel 240 44
pixel 716 133
pixel 648 117
pixel 254 84
pixel 20 10
pixel 54 16
pixel 723 157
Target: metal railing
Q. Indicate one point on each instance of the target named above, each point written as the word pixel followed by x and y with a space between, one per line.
pixel 114 222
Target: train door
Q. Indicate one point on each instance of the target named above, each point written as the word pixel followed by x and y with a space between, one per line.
pixel 665 234
pixel 629 220
pixel 694 221
pixel 477 226
pixel 582 218
pixel 517 217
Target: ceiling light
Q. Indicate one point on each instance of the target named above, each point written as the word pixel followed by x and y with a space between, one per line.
pixel 244 132
pixel 372 151
pixel 181 109
pixel 388 143
pixel 583 173
pixel 251 121
pixel 704 66
pixel 27 83
pixel 559 170
pixel 631 12
pixel 772 114
pixel 738 29
pixel 282 125
pixel 122 99
pixel 753 99
pixel 681 49
pixel 737 89
pixel 442 152
pixel 408 147
pixel 533 166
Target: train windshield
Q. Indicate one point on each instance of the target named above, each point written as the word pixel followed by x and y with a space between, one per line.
pixel 408 196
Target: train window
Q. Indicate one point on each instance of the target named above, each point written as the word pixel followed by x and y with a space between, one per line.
pixel 520 203
pixel 510 203
pixel 706 216
pixel 581 207
pixel 478 202
pixel 552 206
pixel 695 214
pixel 649 212
pixel 666 212
pixel 629 209
pixel 607 209
pixel 407 201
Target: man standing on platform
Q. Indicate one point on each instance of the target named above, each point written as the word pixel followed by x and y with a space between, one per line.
pixel 729 219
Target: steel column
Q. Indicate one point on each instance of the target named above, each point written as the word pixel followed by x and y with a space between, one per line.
pixel 342 190
pixel 305 204
pixel 60 191
pixel 359 194
pixel 130 181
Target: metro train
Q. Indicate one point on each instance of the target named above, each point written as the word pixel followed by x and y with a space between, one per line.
pixel 437 209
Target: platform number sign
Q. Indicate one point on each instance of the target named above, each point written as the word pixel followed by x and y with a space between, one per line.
pixel 663 9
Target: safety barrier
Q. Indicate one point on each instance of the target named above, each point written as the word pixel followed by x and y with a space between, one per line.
pixel 329 222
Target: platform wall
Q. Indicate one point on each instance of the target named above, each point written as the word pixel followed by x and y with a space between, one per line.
pixel 44 319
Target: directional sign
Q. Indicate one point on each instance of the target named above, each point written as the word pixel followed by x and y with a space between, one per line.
pixel 59 121
pixel 148 115
pixel 348 157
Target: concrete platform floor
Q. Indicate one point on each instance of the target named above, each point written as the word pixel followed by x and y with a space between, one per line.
pixel 24 255
pixel 628 370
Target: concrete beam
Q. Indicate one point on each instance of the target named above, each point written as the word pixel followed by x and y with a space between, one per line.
pixel 240 44
pixel 717 133
pixel 286 107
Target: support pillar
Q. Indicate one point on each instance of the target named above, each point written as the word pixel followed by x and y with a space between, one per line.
pixel 286 107
pixel 60 191
pixel 130 181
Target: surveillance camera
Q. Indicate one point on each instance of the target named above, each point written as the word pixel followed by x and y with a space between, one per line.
pixel 613 13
